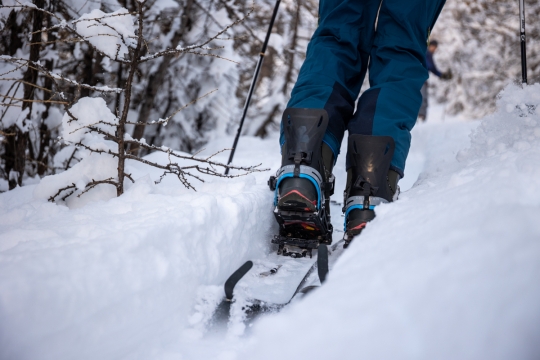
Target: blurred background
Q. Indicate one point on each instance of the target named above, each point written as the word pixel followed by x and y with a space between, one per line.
pixel 478 41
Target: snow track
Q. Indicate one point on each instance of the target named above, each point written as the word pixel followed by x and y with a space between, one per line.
pixel 450 271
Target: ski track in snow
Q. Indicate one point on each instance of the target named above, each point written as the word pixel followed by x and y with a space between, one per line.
pixel 450 271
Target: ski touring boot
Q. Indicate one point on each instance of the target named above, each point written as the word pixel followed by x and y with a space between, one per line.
pixel 370 181
pixel 303 185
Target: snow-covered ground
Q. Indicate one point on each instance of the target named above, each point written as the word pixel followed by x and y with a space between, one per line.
pixel 450 271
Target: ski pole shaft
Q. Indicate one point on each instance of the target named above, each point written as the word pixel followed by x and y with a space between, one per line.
pixel 523 42
pixel 252 86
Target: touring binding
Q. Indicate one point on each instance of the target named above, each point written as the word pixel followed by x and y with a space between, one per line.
pixel 303 185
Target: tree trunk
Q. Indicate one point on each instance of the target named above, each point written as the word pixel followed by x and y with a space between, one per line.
pixel 44 131
pixel 121 129
pixel 88 70
pixel 15 155
pixel 17 145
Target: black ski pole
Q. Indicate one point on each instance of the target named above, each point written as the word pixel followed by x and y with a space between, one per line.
pixel 523 42
pixel 252 86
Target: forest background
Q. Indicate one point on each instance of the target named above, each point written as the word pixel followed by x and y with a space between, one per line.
pixel 478 41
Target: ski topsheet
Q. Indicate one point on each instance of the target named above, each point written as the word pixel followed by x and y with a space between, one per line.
pixel 272 282
pixel 274 279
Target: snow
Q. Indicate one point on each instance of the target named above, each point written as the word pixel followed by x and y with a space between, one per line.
pixel 88 112
pixel 450 271
pixel 160 5
pixel 109 33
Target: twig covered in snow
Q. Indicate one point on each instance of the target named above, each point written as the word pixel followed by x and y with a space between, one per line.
pixel 37 66
pixel 166 120
pixel 30 6
pixel 202 46
pixel 52 198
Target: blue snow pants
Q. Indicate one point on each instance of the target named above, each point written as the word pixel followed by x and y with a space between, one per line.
pixel 339 53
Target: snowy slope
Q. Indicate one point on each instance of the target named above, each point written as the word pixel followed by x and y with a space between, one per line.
pixel 449 271
pixel 116 278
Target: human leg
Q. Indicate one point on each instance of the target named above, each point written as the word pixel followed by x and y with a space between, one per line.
pixel 321 104
pixel 387 112
pixel 336 64
pixel 397 72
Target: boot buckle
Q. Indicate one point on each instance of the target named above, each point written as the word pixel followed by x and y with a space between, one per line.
pixel 272 183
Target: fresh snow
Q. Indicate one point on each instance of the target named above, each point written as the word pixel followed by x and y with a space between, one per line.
pixel 109 33
pixel 450 271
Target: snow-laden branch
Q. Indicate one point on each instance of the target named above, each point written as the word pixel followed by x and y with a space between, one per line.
pixel 26 5
pixel 168 118
pixel 88 36
pixel 202 46
pixel 37 66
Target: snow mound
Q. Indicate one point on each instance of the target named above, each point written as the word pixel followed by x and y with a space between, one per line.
pixel 88 112
pixel 119 278
pixel 450 271
pixel 515 127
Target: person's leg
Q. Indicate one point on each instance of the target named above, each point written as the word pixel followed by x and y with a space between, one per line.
pixel 379 132
pixel 336 64
pixel 313 125
pixel 397 72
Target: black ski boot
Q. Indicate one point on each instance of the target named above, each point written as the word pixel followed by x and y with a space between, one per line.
pixel 304 183
pixel 370 182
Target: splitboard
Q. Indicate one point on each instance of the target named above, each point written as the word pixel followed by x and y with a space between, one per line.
pixel 274 279
pixel 271 283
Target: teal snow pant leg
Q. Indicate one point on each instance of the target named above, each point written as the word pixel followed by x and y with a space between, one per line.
pixel 397 71
pixel 336 64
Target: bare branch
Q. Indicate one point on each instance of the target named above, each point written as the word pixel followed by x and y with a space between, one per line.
pixel 29 6
pixel 95 183
pixel 43 70
pixel 166 120
pixel 72 186
pixel 189 49
pixel 34 101
pixel 207 160
pixel 12 70
pixel 10 104
pixel 92 150
pixel 104 17
pixel 129 177
pixel 26 83
pixel 93 127
pixel 70 158
pixel 181 51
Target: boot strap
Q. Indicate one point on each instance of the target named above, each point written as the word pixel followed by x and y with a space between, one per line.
pixel 364 186
pixel 302 171
pixel 362 203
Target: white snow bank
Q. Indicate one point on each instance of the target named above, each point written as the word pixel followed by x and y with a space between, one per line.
pixel 118 279
pixel 516 127
pixel 88 112
pixel 450 271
